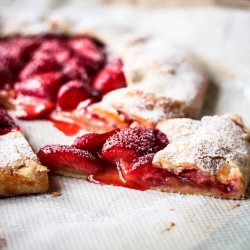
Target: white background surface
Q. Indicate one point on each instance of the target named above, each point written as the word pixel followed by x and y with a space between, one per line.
pixel 88 216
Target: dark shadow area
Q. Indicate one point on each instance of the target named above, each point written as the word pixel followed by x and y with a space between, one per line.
pixel 212 95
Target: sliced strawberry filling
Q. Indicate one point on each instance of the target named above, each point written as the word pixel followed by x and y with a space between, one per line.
pixel 143 172
pixel 59 69
pixel 62 158
pixel 123 157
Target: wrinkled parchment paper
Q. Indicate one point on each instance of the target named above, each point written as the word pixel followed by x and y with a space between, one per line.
pixel 89 216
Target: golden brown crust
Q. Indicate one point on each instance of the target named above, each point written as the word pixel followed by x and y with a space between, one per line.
pixel 68 172
pixel 20 169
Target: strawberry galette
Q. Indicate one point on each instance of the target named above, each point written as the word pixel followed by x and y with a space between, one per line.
pixel 138 108
pixel 209 157
pixel 20 169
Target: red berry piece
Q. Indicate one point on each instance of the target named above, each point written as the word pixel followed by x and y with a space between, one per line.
pixel 28 107
pixel 59 157
pixel 74 70
pixel 56 48
pixel 128 144
pixel 25 45
pixel 7 124
pixel 11 58
pixel 43 85
pixel 161 141
pixel 5 75
pixel 91 55
pixel 92 141
pixel 143 172
pixel 109 79
pixel 74 92
pixel 43 63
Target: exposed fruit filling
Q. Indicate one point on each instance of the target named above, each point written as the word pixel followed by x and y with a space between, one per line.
pixel 7 124
pixel 123 157
pixel 56 77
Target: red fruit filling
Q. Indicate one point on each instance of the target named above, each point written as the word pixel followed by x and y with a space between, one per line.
pixel 123 157
pixel 7 124
pixel 129 144
pixel 67 158
pixel 62 72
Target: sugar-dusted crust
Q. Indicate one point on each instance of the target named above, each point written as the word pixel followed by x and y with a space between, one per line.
pixel 217 146
pixel 20 169
pixel 164 81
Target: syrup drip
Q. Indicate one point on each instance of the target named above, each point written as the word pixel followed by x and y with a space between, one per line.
pixel 112 175
pixel 68 128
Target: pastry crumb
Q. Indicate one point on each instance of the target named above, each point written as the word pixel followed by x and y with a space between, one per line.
pixel 169 227
pixel 53 194
pixel 3 243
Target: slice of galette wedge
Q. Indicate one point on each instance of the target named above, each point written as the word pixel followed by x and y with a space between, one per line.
pixel 207 157
pixel 20 170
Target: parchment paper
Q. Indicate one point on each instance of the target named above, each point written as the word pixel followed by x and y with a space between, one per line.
pixel 89 216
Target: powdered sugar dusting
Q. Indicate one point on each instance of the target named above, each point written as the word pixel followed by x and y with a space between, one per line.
pixel 208 144
pixel 163 81
pixel 15 150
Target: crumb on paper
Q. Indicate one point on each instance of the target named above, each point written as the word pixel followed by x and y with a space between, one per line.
pixel 171 209
pixel 3 243
pixel 53 194
pixel 237 205
pixel 169 227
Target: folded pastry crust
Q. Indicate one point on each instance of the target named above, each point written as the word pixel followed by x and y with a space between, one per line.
pixel 20 169
pixel 164 81
pixel 217 148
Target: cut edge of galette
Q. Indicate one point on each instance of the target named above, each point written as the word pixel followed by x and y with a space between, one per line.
pixel 209 157
pixel 214 152
pixel 20 169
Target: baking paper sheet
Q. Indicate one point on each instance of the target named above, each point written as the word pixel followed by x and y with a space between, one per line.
pixel 89 216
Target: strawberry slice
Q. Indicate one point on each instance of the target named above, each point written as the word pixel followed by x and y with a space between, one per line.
pixel 43 85
pixel 74 92
pixel 161 141
pixel 73 69
pixel 25 46
pixel 16 50
pixel 109 79
pixel 60 157
pixel 28 107
pixel 92 141
pixel 89 52
pixel 7 124
pixel 43 63
pixel 128 144
pixel 143 172
pixel 5 75
pixel 56 47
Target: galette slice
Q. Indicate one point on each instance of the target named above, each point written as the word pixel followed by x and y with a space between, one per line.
pixel 20 170
pixel 209 157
